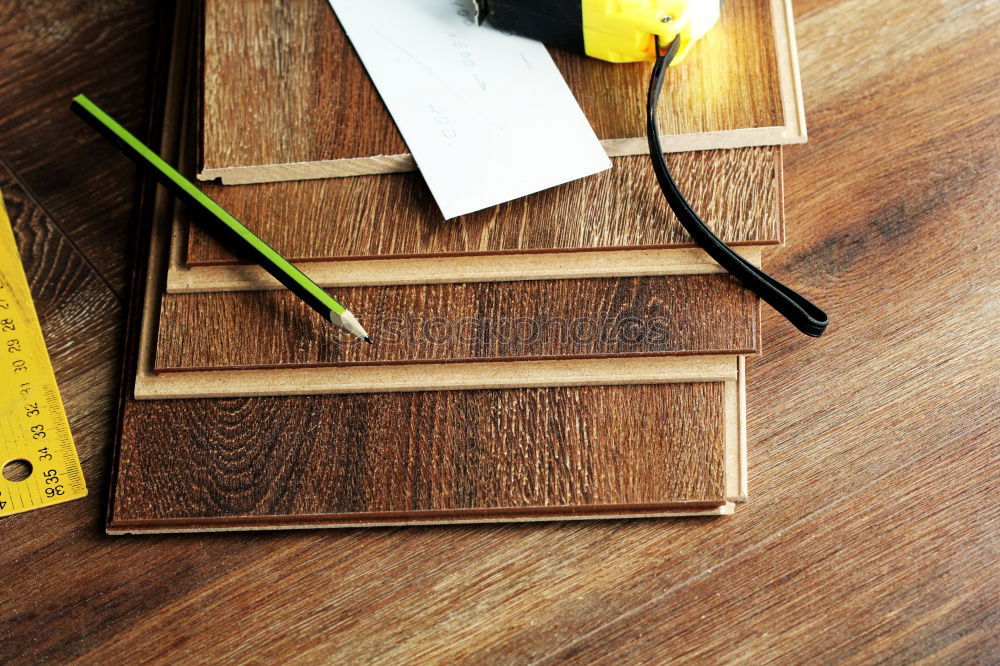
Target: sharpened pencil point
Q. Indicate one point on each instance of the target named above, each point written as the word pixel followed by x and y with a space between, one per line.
pixel 369 340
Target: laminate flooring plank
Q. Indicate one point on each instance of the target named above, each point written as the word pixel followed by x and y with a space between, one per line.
pixel 399 457
pixel 728 81
pixel 271 66
pixel 385 230
pixel 677 315
pixel 736 191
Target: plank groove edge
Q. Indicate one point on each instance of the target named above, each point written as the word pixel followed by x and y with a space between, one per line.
pixel 473 268
pixel 472 517
pixel 433 377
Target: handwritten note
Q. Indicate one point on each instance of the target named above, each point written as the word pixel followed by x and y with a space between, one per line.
pixel 487 116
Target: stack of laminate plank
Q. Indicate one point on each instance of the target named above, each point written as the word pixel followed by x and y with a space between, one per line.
pixel 566 355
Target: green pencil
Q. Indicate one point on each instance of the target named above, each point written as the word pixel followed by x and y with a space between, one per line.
pixel 234 232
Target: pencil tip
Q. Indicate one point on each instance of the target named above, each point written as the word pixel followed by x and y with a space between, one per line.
pixel 368 339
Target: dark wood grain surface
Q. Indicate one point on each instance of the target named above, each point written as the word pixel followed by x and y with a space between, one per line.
pixel 278 51
pixel 394 215
pixel 679 314
pixel 871 530
pixel 271 67
pixel 376 458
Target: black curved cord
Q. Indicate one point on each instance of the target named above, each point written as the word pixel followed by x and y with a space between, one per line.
pixel 804 315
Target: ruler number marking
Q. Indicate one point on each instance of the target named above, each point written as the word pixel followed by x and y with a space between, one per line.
pixel 33 425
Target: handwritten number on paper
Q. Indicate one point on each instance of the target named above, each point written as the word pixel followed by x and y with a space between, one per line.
pixel 442 119
pixel 468 16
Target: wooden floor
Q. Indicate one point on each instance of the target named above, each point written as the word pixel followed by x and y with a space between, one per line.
pixel 872 532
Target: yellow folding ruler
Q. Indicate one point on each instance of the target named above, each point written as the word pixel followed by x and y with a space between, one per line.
pixel 38 461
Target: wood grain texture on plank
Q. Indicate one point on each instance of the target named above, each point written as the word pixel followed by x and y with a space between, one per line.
pixel 728 81
pixel 271 67
pixel 365 459
pixel 394 216
pixel 692 314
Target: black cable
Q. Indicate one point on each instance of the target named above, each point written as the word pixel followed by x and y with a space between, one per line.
pixel 803 314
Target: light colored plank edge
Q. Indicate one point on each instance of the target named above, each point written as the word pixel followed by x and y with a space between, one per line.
pixel 384 164
pixel 742 423
pixel 220 525
pixel 779 176
pixel 427 376
pixel 789 77
pixel 722 139
pixel 182 279
pixel 341 168
pixel 735 434
pixel 731 434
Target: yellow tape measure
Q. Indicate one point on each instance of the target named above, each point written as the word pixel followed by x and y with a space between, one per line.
pixel 38 461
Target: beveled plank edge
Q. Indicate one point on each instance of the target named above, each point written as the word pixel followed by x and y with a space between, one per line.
pixel 463 268
pixel 384 164
pixel 742 423
pixel 153 208
pixel 281 172
pixel 789 76
pixel 430 377
pixel 735 434
pixel 457 517
pixel 471 361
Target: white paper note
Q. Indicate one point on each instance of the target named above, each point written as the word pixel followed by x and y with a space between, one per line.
pixel 487 116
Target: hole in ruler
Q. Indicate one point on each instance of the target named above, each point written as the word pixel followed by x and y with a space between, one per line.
pixel 17 470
